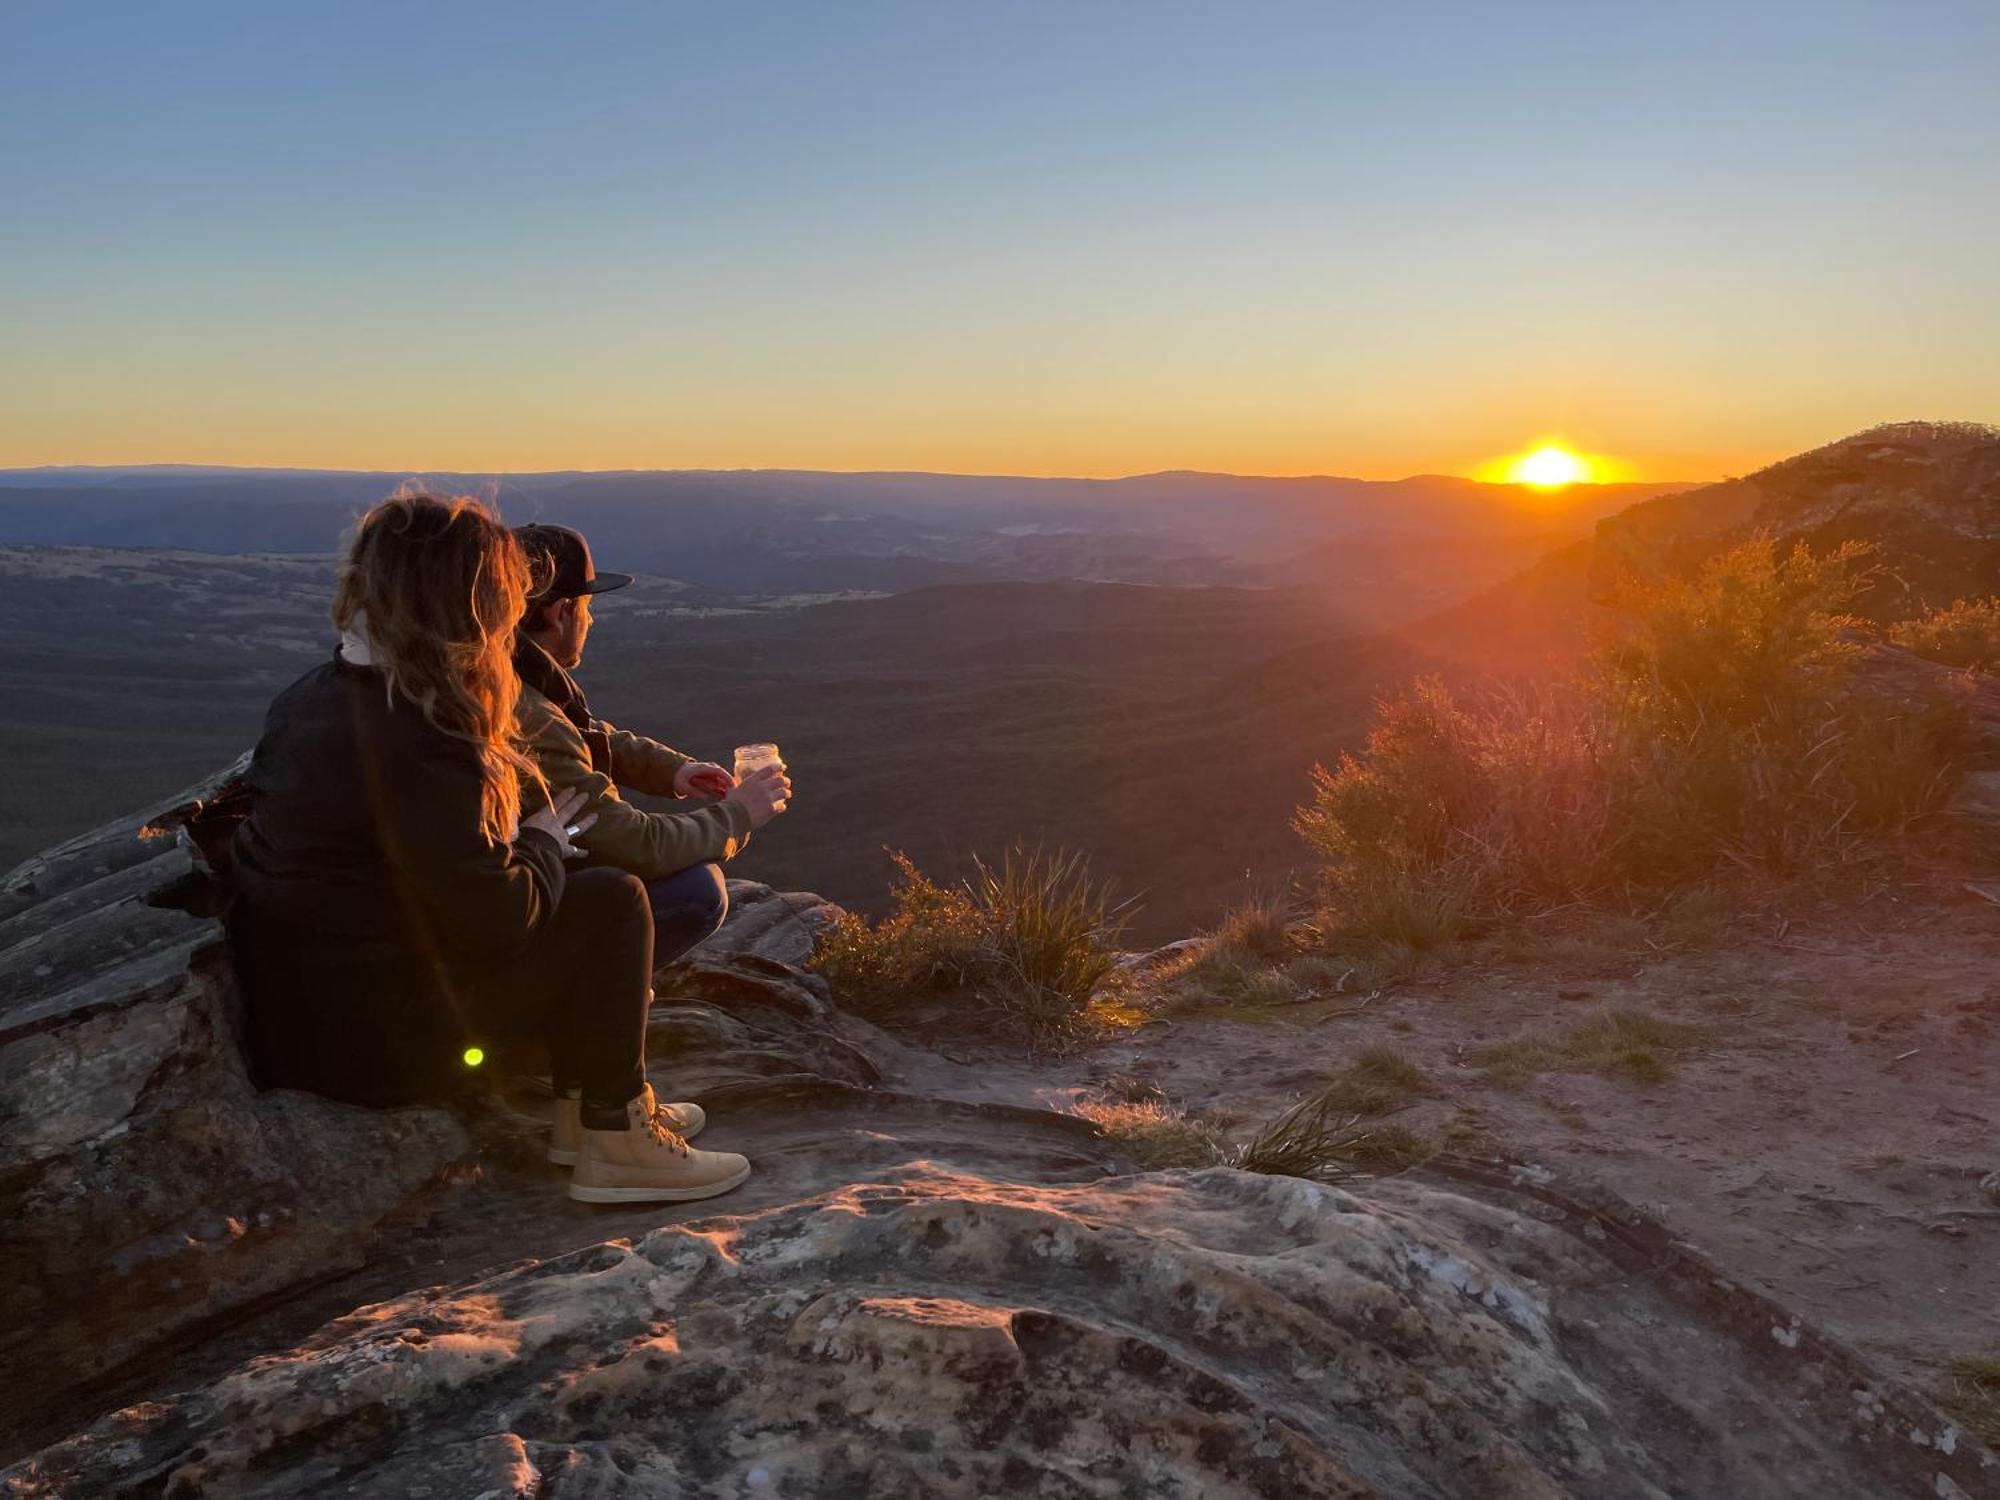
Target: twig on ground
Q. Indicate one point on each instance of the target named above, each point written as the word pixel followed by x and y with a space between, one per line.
pixel 1351 1010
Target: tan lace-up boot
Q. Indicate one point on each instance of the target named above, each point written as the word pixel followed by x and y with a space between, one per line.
pixel 566 1136
pixel 650 1162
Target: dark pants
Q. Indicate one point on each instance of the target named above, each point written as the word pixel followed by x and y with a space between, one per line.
pixel 583 986
pixel 688 905
pixel 379 1028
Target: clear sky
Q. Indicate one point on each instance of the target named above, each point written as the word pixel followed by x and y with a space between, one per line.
pixel 1083 238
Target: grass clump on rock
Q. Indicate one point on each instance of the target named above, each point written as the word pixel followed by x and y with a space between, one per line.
pixel 1337 1132
pixel 1969 1390
pixel 1320 1139
pixel 1034 939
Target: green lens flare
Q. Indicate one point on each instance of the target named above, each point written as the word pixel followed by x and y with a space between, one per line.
pixel 474 1056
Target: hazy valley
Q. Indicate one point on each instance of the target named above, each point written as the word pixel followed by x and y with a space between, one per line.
pixel 1166 729
pixel 952 664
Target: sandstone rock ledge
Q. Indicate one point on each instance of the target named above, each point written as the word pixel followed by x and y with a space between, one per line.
pixel 1211 1334
pixel 148 1190
pixel 146 1185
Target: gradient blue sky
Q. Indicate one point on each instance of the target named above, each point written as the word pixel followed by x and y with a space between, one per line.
pixel 1082 238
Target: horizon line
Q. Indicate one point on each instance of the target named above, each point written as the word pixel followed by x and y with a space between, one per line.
pixel 419 472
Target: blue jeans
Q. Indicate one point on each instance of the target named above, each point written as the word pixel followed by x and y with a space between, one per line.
pixel 688 905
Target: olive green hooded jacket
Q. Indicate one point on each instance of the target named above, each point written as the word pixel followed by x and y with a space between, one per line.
pixel 649 844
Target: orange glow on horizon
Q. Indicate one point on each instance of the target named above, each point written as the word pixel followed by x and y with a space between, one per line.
pixel 1549 465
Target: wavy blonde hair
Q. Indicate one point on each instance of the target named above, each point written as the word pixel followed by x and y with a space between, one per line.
pixel 437 584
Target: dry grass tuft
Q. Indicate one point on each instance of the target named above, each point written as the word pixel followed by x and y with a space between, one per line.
pixel 1335 1133
pixel 1033 939
pixel 1965 634
pixel 1319 1138
pixel 1155 1135
pixel 1628 1042
pixel 1970 1391
pixel 1256 929
pixel 1235 982
pixel 1379 1080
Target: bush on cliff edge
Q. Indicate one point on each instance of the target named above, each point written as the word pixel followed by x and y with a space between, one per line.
pixel 1722 730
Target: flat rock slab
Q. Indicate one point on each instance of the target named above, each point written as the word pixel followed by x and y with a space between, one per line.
pixel 804 1134
pixel 150 1194
pixel 929 1331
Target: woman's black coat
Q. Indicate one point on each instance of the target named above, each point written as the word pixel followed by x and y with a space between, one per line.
pixel 368 902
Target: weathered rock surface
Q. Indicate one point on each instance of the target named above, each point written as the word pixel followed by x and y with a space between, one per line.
pixel 148 1189
pixel 932 1333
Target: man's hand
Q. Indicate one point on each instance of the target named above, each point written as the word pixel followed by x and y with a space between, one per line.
pixel 704 777
pixel 560 822
pixel 763 794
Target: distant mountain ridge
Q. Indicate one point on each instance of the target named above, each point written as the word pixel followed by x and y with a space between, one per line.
pixel 795 530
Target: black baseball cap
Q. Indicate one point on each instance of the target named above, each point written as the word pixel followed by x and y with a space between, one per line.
pixel 561 561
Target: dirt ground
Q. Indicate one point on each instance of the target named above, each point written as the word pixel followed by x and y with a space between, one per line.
pixel 1823 1134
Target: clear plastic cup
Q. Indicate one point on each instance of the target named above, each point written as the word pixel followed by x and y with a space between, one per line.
pixel 755 758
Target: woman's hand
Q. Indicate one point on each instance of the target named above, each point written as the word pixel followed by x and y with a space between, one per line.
pixel 702 776
pixel 763 794
pixel 555 821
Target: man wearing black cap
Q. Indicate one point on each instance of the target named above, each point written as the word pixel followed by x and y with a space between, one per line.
pixel 573 748
pixel 675 853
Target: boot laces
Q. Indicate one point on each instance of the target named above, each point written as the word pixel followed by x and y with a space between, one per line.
pixel 660 1125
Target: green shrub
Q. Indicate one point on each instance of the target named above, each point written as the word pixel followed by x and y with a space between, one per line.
pixel 1722 728
pixel 1966 634
pixel 1034 938
pixel 929 944
pixel 1754 638
pixel 1454 814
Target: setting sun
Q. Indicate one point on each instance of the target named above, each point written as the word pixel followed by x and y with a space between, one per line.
pixel 1548 468
pixel 1551 464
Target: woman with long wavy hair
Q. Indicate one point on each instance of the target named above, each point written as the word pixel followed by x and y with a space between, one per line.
pixel 399 907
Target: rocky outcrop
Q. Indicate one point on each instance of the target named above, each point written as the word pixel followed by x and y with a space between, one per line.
pixel 932 1333
pixel 148 1187
pixel 150 1190
pixel 1926 494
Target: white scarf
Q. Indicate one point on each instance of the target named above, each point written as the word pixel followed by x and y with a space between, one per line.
pixel 355 647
